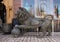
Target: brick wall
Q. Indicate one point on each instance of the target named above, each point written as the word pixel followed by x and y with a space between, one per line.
pixel 57 26
pixel 16 4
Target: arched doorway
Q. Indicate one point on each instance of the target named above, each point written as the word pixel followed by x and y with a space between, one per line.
pixel 9 10
pixel 2 11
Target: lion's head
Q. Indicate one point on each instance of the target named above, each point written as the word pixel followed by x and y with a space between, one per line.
pixel 22 14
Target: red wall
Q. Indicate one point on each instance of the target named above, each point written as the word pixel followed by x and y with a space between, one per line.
pixel 16 4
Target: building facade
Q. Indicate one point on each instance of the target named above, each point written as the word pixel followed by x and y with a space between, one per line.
pixel 13 5
pixel 11 8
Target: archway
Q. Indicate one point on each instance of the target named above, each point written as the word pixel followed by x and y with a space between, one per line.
pixel 2 11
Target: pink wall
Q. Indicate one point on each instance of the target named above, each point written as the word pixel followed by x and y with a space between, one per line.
pixel 16 4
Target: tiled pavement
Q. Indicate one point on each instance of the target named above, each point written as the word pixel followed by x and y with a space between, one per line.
pixel 30 38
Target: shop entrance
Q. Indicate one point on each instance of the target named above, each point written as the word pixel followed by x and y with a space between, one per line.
pixel 2 12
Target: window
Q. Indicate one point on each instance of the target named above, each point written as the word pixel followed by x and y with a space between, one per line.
pixel 36 6
pixel 29 5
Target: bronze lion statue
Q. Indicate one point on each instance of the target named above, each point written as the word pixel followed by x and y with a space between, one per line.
pixel 27 21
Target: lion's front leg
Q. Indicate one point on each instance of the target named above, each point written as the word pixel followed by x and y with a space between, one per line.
pixel 45 28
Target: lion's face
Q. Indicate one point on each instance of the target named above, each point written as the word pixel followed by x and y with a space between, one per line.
pixel 23 15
